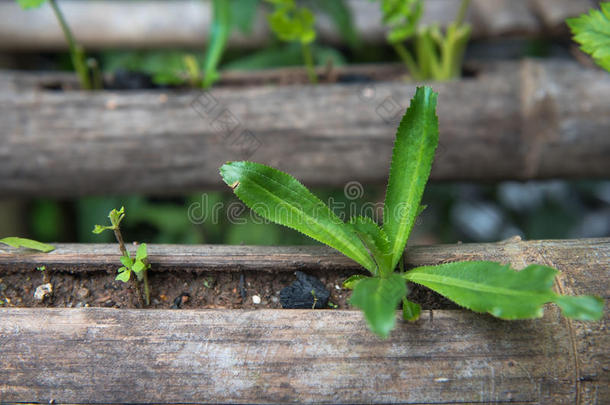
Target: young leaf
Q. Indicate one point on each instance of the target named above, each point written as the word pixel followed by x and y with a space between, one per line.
pixel 139 266
pixel 410 310
pixel 141 253
pixel 116 216
pixel 378 298
pixel 17 242
pixel 279 197
pixel 592 32
pixel 501 291
pixel 376 241
pixel 99 228
pixel 127 261
pixel 124 275
pixel 416 141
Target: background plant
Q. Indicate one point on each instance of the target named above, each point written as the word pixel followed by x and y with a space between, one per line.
pixel 478 285
pixel 437 55
pixel 592 32
pixel 87 69
pixel 295 24
pixel 133 269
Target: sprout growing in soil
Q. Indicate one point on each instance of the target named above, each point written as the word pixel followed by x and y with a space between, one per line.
pixel 478 285
pixel 137 266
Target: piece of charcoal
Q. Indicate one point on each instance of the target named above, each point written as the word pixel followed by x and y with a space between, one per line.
pixel 181 300
pixel 306 292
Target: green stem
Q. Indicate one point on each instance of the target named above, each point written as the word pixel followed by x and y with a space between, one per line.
pixel 146 287
pixel 462 12
pixel 408 60
pixel 77 53
pixel 308 59
pixel 219 32
pixel 94 68
pixel 132 278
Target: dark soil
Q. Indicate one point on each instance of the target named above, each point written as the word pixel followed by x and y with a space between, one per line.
pixel 188 290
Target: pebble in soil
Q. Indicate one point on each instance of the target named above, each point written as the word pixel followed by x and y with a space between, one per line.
pixel 306 292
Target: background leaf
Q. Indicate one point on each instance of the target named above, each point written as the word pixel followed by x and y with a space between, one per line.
pixel 592 32
pixel 279 197
pixel 378 299
pixel 17 242
pixel 26 4
pixel 416 141
pixel 501 291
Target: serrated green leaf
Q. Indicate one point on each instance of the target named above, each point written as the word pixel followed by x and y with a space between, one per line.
pixel 279 197
pixel 124 275
pixel 127 261
pixel 583 307
pixel 416 141
pixel 27 4
pixel 499 290
pixel 376 241
pixel 592 32
pixel 410 310
pixel 351 281
pixel 18 242
pixel 141 253
pixel 378 298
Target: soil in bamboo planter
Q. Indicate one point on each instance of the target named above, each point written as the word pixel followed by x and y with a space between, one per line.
pixel 189 290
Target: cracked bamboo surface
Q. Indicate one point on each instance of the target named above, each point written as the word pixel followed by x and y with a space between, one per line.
pixel 323 356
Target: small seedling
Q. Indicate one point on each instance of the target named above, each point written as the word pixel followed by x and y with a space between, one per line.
pixel 208 282
pixel 592 32
pixel 478 285
pixel 41 268
pixel 18 242
pixel 290 23
pixel 437 56
pixel 87 69
pixel 332 305
pixel 315 299
pixel 137 266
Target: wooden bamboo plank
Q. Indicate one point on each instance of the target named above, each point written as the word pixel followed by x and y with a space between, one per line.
pixel 185 23
pixel 513 121
pixel 83 258
pixel 289 356
pixel 280 356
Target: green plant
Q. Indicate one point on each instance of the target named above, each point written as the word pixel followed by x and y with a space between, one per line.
pixel 295 24
pixel 87 69
pixel 437 56
pixel 137 266
pixel 592 32
pixel 17 242
pixel 480 286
